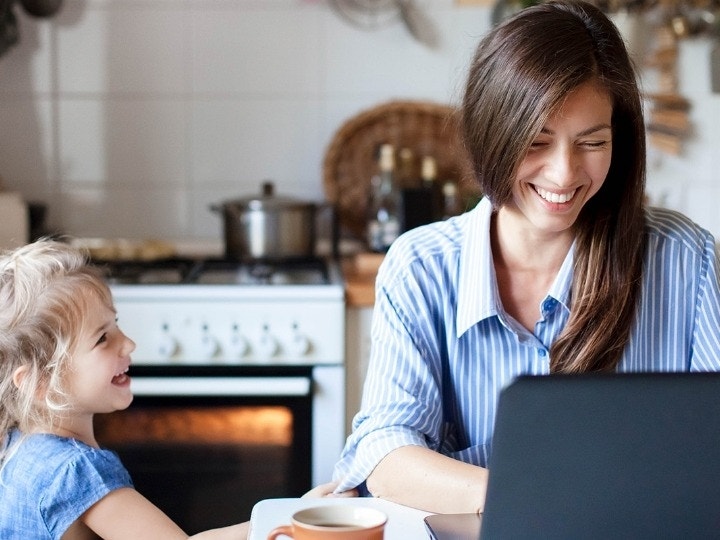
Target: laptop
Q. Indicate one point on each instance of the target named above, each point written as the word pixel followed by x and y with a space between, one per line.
pixel 601 456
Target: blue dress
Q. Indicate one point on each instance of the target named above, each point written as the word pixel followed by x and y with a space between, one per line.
pixel 48 482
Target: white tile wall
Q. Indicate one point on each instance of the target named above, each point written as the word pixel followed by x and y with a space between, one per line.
pixel 130 118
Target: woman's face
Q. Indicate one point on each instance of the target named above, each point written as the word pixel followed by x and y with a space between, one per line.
pixel 567 162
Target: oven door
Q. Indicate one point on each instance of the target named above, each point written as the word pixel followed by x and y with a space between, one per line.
pixel 206 443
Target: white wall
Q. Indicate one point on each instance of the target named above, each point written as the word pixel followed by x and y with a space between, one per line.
pixel 129 118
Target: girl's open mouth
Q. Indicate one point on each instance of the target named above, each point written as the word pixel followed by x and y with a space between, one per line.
pixel 121 378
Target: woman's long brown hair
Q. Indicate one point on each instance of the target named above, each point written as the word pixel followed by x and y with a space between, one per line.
pixel 520 74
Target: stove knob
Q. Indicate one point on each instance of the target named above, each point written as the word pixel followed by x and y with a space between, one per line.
pixel 300 344
pixel 167 346
pixel 267 346
pixel 209 346
pixel 239 346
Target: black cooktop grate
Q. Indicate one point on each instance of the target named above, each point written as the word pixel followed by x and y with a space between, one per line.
pixel 219 271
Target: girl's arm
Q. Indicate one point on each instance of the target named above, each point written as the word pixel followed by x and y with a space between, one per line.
pixel 124 514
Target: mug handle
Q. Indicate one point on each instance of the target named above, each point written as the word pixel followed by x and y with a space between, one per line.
pixel 277 531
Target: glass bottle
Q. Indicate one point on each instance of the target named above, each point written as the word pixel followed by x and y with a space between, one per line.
pixel 383 223
pixel 452 205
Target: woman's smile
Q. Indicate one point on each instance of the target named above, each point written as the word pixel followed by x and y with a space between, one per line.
pixel 555 197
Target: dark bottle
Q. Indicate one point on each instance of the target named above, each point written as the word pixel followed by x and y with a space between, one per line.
pixel 432 187
pixel 421 203
pixel 406 176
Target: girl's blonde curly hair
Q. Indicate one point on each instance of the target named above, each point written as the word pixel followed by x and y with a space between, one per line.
pixel 44 288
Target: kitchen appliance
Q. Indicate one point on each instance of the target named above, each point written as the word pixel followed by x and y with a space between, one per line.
pixel 239 382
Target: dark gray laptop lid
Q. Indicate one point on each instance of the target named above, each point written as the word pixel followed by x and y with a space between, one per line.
pixel 606 456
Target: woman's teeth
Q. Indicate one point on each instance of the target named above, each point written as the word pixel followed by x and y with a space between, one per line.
pixel 555 197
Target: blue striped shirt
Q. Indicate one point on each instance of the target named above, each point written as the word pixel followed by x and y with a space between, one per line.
pixel 437 304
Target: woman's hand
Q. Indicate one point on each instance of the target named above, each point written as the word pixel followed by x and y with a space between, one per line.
pixel 328 490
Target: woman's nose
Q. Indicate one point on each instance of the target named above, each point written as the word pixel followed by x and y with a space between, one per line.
pixel 561 166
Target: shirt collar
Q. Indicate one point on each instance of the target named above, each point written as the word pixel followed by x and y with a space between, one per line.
pixel 478 295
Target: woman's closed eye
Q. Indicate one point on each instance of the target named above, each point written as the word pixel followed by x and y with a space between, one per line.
pixel 602 143
pixel 539 145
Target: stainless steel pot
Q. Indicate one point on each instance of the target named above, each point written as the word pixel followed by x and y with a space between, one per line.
pixel 268 227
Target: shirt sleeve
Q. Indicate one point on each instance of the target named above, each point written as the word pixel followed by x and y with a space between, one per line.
pixel 401 403
pixel 706 334
pixel 84 480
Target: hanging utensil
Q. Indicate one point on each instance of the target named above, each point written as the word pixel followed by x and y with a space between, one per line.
pixel 418 23
pixel 374 14
pixel 41 8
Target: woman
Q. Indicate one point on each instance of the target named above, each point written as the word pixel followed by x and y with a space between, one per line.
pixel 559 269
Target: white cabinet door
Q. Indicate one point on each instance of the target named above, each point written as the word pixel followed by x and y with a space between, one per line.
pixel 357 355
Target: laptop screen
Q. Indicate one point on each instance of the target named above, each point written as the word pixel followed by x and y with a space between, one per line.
pixel 606 456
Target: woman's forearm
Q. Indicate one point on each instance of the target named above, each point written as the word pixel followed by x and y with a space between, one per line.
pixel 421 478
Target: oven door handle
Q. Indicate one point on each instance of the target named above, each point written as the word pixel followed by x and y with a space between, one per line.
pixel 221 386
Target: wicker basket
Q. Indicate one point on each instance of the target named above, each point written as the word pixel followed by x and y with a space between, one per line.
pixel 351 159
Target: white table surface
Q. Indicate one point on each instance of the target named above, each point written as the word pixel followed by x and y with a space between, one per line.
pixel 403 523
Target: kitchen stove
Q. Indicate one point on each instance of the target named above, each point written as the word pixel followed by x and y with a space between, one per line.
pixel 224 312
pixel 254 354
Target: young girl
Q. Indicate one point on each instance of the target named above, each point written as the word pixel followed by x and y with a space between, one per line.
pixel 62 360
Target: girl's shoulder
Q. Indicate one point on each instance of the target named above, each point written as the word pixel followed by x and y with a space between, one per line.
pixel 52 453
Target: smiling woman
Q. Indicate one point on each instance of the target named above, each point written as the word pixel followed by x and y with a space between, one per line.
pixel 559 269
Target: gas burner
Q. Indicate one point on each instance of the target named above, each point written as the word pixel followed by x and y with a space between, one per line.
pixel 160 272
pixel 290 272
pixel 176 271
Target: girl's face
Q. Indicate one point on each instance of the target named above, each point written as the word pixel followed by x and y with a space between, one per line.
pixel 567 162
pixel 97 376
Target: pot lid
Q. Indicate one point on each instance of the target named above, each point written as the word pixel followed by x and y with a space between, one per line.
pixel 267 200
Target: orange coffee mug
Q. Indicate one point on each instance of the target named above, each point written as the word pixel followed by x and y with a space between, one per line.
pixel 334 522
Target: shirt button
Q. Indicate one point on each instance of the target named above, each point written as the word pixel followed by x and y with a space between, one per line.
pixel 542 353
pixel 549 304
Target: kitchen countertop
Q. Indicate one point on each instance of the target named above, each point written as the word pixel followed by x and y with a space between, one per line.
pixel 359 273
